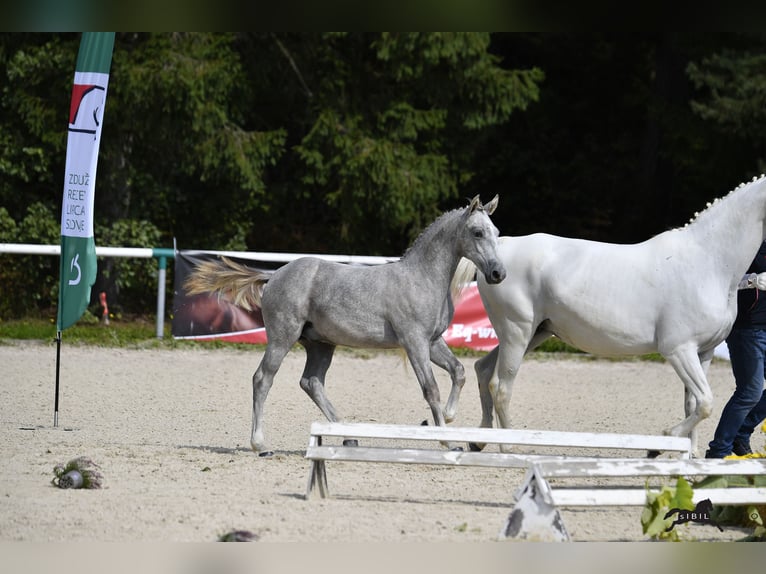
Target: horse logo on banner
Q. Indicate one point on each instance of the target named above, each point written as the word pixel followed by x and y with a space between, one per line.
pixel 701 514
pixel 86 108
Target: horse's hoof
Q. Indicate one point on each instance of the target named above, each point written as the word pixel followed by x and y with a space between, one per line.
pixel 473 447
pixel 457 449
pixel 424 423
pixel 266 453
pixel 350 442
pixel 652 453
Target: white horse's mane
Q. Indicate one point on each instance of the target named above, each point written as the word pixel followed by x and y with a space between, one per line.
pixel 717 200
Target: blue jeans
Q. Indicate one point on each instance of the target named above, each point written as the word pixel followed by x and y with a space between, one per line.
pixel 747 406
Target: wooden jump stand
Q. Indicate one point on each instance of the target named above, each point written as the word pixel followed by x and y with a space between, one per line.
pixel 535 516
pixel 318 452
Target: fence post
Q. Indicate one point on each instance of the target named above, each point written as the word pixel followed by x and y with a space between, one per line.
pixel 162 255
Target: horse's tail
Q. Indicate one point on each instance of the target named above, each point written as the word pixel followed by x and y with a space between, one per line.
pixel 239 284
pixel 464 274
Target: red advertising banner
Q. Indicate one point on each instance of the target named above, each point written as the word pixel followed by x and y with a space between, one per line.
pixel 470 327
pixel 208 317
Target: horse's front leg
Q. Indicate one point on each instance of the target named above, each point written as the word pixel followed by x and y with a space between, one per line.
pixel 442 356
pixel 419 356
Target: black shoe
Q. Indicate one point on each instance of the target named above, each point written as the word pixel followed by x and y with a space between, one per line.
pixel 742 447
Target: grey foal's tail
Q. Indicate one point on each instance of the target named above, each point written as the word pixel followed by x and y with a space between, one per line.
pixel 237 283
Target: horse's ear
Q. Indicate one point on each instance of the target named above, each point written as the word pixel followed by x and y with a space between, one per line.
pixel 492 205
pixel 474 205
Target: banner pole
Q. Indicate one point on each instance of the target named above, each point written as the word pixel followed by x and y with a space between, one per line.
pixel 58 364
pixel 78 267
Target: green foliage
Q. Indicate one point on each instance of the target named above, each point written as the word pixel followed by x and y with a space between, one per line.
pixel 735 88
pixel 87 474
pixel 354 142
pixel 133 280
pixel 190 159
pixel 33 112
pixel 385 158
pixel 366 176
pixel 556 345
pixel 653 521
pixel 658 504
pixel 7 227
pixel 120 332
pixel 30 282
pixel 731 85
pixel 742 516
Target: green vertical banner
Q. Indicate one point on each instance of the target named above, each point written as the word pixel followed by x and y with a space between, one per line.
pixel 86 114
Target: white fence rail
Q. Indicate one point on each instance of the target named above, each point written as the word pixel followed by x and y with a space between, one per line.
pixel 163 254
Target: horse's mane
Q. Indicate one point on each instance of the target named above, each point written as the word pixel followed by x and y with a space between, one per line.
pixel 432 229
pixel 718 200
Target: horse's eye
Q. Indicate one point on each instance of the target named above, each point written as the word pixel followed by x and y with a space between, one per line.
pixel 478 234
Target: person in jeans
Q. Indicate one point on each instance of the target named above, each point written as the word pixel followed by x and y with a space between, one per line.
pixel 747 349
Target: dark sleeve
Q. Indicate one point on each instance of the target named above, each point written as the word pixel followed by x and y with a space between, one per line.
pixel 759 263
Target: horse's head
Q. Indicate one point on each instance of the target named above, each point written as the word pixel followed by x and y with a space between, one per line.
pixel 478 239
pixel 704 506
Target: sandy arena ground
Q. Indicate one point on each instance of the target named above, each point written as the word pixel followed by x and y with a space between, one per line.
pixel 170 430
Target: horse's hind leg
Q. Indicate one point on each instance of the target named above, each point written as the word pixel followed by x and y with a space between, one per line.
pixel 484 369
pixel 509 357
pixel 318 359
pixel 443 357
pixel 691 368
pixel 496 373
pixel 498 392
pixel 262 381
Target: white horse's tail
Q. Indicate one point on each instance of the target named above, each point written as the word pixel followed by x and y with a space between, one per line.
pixel 239 284
pixel 464 274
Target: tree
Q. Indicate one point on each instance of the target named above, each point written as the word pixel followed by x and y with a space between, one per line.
pixel 354 142
pixel 295 142
pixel 179 152
pixel 612 151
pixel 33 115
pixel 733 86
pixel 395 122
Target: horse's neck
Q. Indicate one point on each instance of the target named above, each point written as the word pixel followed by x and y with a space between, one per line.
pixel 435 254
pixel 731 230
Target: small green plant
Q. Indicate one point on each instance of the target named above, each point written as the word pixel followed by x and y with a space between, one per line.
pixel 653 521
pixel 80 472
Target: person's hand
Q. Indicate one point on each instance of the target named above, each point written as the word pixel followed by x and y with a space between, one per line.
pixel 753 281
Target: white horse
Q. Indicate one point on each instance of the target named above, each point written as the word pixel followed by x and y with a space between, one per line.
pixel 675 294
